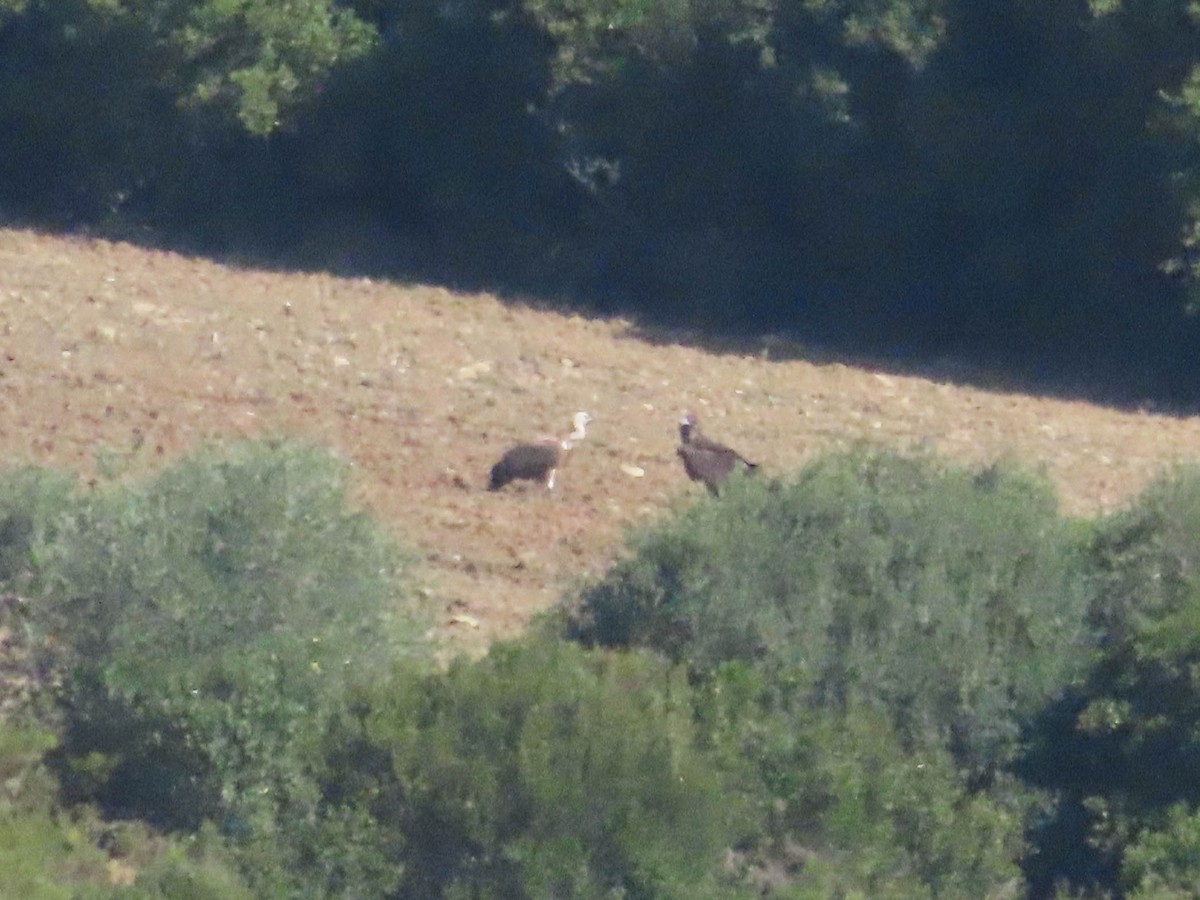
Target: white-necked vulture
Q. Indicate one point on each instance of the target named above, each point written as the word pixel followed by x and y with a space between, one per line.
pixel 539 460
pixel 704 459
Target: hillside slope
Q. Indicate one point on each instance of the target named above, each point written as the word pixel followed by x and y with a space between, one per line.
pixel 140 355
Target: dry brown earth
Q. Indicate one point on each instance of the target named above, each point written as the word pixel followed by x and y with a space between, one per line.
pixel 142 354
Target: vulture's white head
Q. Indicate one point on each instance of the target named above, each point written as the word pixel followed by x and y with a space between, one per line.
pixel 581 421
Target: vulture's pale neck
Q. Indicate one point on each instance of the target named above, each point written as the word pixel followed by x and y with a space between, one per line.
pixel 580 432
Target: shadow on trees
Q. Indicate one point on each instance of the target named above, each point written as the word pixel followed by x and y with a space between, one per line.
pixel 994 218
pixel 750 294
pixel 734 294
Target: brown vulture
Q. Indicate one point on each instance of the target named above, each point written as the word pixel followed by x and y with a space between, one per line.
pixel 704 459
pixel 539 460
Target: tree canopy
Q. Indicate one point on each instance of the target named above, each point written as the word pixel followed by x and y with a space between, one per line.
pixel 909 175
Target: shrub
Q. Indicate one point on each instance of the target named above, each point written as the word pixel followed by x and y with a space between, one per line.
pixel 46 853
pixel 948 599
pixel 1142 557
pixel 177 872
pixel 545 770
pixel 1120 749
pixel 213 620
pixel 40 860
pixel 848 809
pixel 1165 863
pixel 32 503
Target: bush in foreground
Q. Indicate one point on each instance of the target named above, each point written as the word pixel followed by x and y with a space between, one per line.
pixel 949 600
pixel 544 770
pixel 49 854
pixel 845 807
pixel 866 640
pixel 211 622
pixel 1120 750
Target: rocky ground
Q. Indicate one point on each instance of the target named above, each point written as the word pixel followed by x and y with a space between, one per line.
pixel 118 359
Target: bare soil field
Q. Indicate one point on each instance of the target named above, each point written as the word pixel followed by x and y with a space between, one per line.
pixel 110 351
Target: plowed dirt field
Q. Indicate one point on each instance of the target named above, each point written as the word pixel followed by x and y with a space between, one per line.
pixel 141 355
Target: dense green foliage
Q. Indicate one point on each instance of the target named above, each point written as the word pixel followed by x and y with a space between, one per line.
pixel 207 626
pixel 46 856
pixel 948 600
pixel 545 771
pixel 1008 178
pixel 875 602
pixel 1120 749
pixel 846 806
pixel 989 649
pixel 881 676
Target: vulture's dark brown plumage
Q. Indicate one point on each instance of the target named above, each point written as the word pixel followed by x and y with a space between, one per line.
pixel 705 460
pixel 539 460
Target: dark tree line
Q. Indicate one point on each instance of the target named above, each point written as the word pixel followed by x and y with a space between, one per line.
pixel 1008 179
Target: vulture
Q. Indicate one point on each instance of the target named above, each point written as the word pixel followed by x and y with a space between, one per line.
pixel 537 461
pixel 706 460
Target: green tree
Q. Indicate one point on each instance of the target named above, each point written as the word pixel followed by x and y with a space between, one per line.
pixel 258 59
pixel 849 807
pixel 159 108
pixel 441 127
pixel 544 770
pixel 949 598
pixel 252 59
pixel 1165 863
pixel 208 625
pixel 83 114
pixel 1120 748
pixel 866 639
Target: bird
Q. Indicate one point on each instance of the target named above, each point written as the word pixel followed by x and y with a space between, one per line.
pixel 539 460
pixel 704 459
